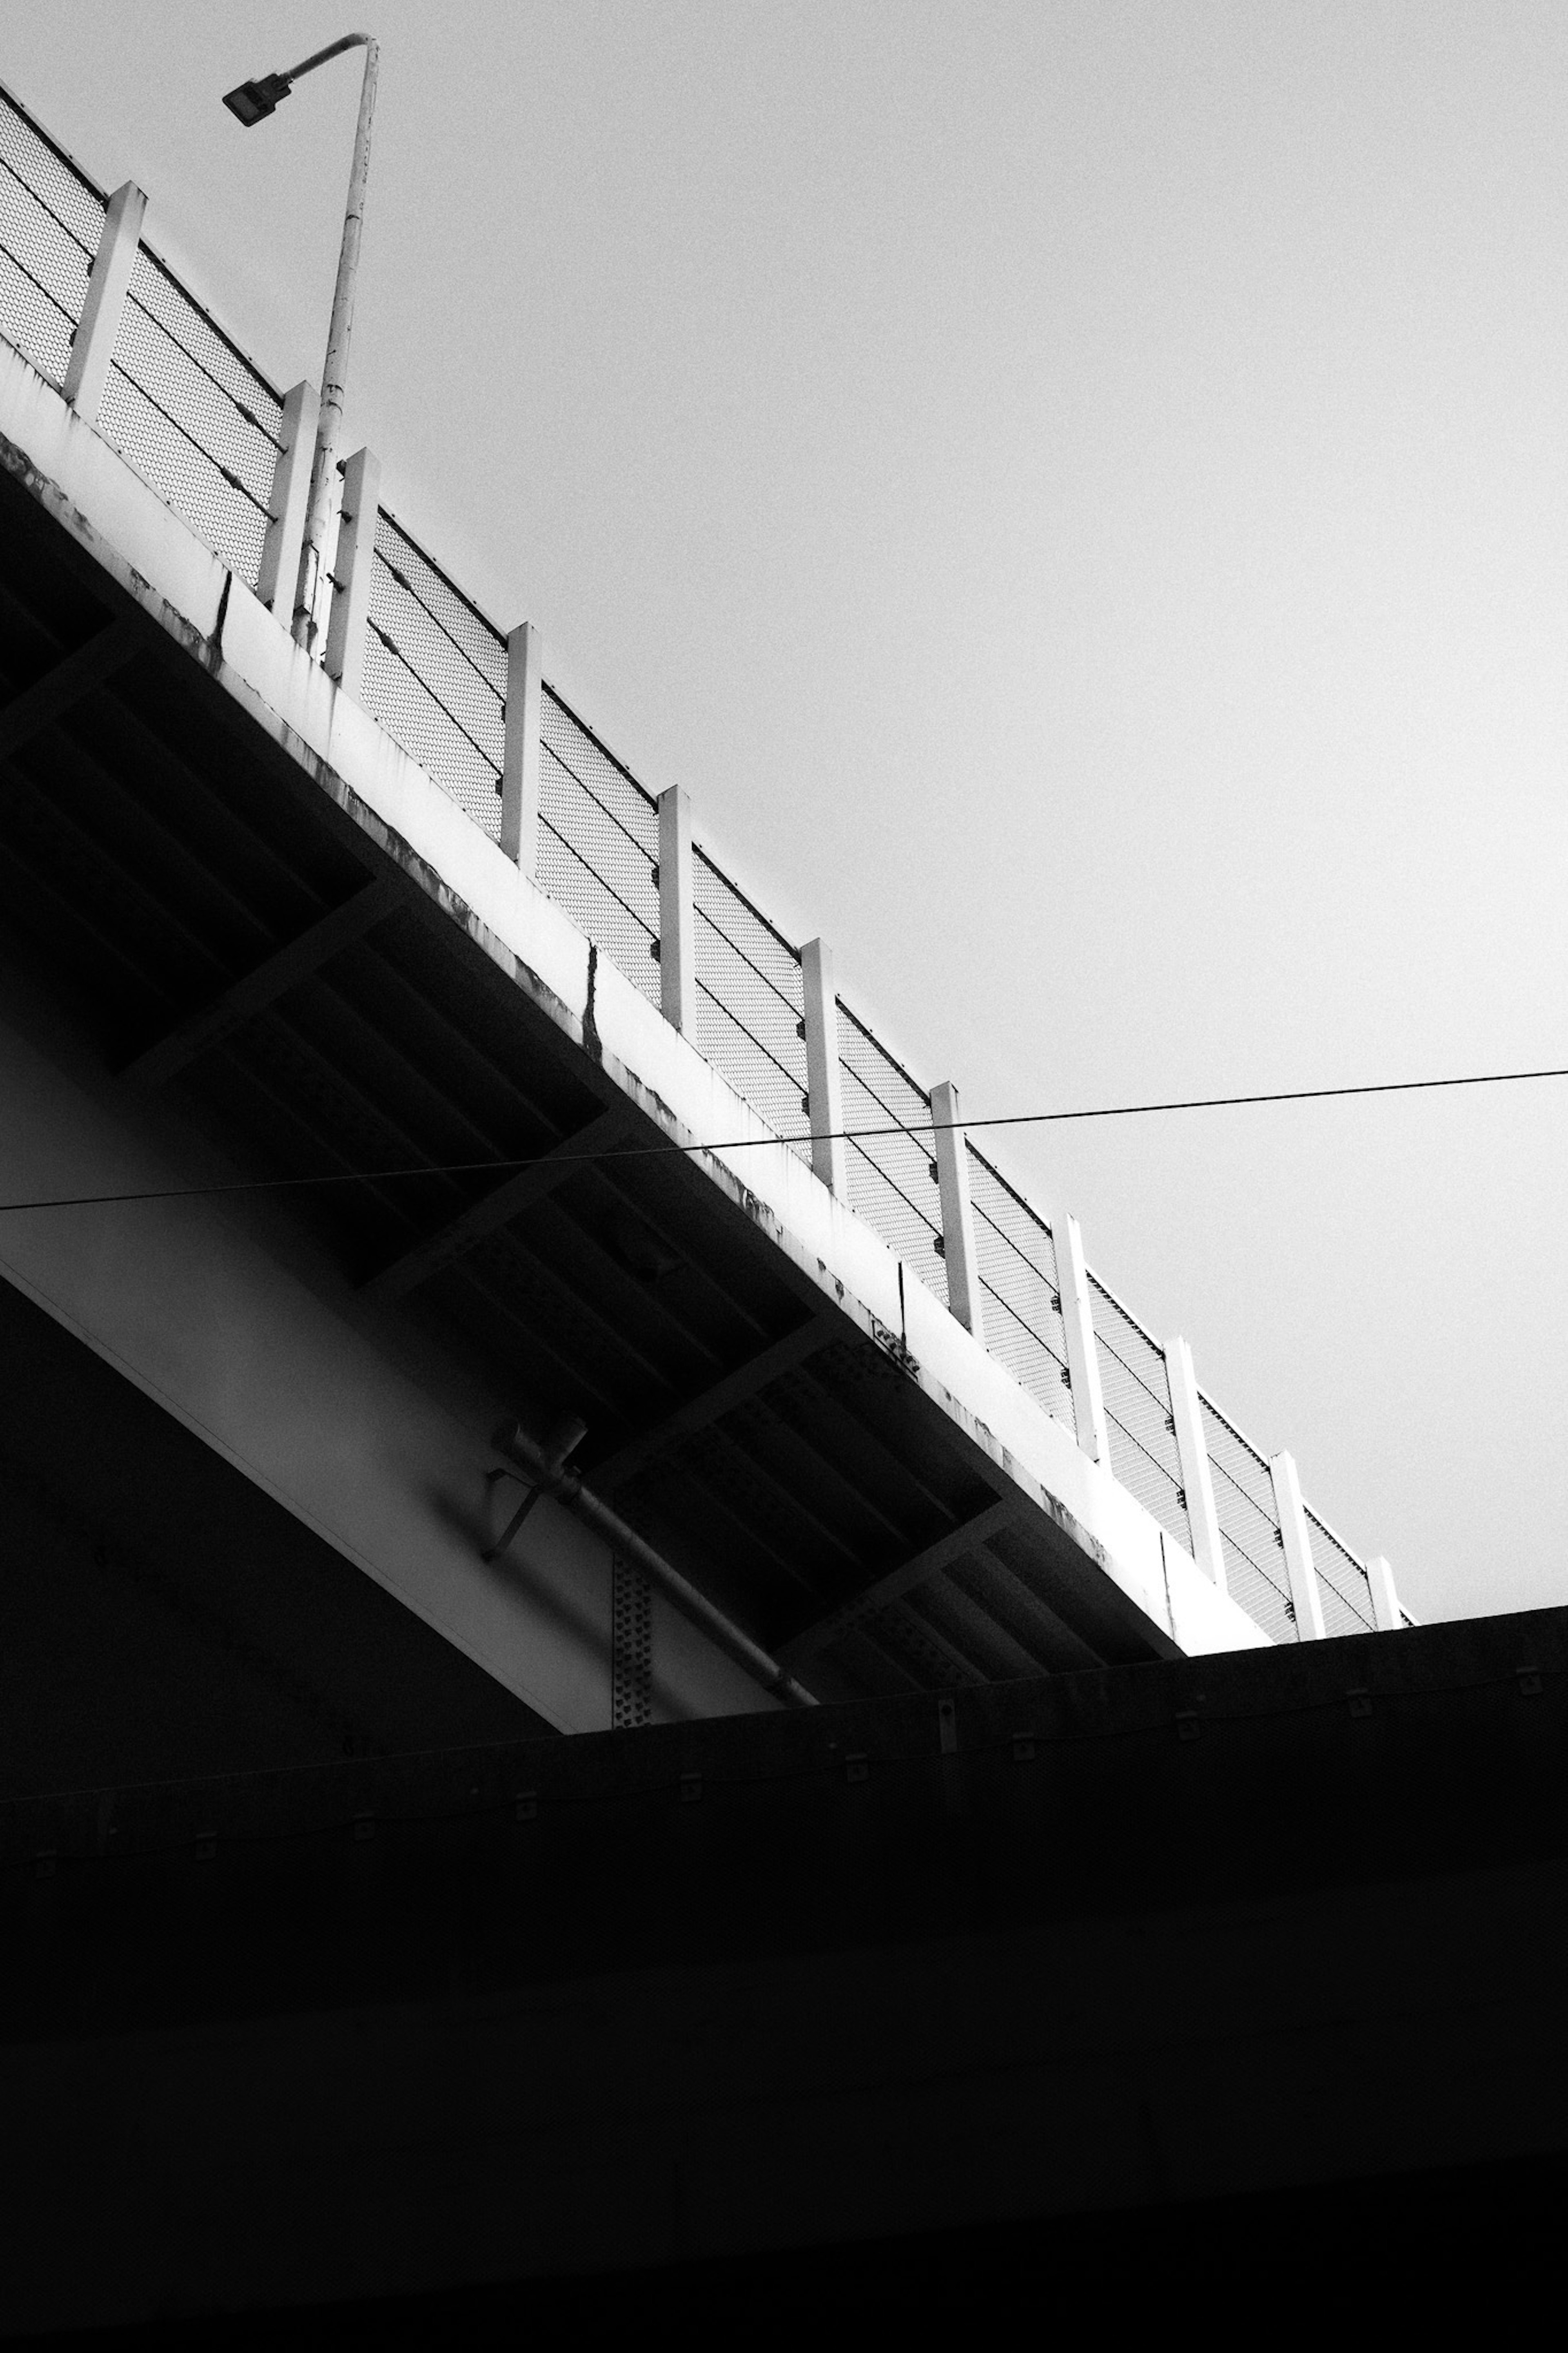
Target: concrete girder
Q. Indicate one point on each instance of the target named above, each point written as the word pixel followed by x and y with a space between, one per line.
pixel 898 1582
pixel 730 1389
pixel 898 1628
pixel 74 675
pixel 263 985
pixel 498 1207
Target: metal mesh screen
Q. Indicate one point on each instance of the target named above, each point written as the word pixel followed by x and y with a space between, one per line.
pixel 1017 1258
pixel 1137 1392
pixel 1249 1527
pixel 52 217
pixel 195 418
pixel 435 674
pixel 749 1006
pixel 1344 1589
pixel 598 844
pixel 892 1181
pixel 631 1646
pixel 182 402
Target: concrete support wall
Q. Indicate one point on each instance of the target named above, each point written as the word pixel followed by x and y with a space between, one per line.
pixel 352 571
pixel 1387 1616
pixel 1192 1454
pixel 951 1158
pixel 824 1092
pixel 1305 1598
pixel 277 580
pixel 1083 1357
pixel 97 330
pixel 677 912
pixel 1072 1946
pixel 523 752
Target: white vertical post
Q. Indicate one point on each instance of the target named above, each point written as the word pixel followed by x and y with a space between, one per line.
pixel 522 759
pixel 279 572
pixel 1304 1596
pixel 824 1092
pixel 952 1156
pixel 677 920
pixel 92 346
pixel 352 569
pixel 1083 1362
pixel 1385 1612
pixel 1192 1456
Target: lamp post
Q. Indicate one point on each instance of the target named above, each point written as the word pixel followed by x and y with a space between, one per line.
pixel 252 102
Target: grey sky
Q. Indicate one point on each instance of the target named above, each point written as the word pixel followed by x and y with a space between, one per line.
pixel 1078 494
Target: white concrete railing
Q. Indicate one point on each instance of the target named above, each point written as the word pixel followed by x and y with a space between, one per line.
pixel 84 299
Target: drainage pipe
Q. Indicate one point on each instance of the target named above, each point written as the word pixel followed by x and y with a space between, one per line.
pixel 551 1476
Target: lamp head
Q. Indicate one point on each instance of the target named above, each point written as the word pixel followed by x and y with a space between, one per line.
pixel 253 102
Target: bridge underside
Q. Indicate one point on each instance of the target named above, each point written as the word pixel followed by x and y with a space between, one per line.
pixel 218 926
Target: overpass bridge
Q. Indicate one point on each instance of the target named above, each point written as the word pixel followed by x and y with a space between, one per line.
pixel 468 1160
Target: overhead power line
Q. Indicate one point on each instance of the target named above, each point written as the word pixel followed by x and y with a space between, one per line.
pixel 914 1128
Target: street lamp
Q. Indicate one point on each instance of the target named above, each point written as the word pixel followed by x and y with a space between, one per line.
pixel 252 102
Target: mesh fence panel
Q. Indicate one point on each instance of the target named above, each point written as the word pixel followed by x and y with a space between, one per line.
pixel 892 1179
pixel 51 221
pixel 435 674
pixel 1137 1392
pixel 598 844
pixel 1344 1589
pixel 196 420
pixel 1248 1526
pixel 1018 1259
pixel 750 1006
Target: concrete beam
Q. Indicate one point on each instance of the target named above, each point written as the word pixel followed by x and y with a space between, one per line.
pixel 521 755
pixel 676 910
pixel 352 569
pixel 963 1293
pixel 73 677
pixel 756 1374
pixel 498 1207
pixel 1305 1598
pixel 97 330
pixel 825 1089
pixel 1193 1455
pixel 940 1656
pixel 278 578
pixel 954 1545
pixel 198 1032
